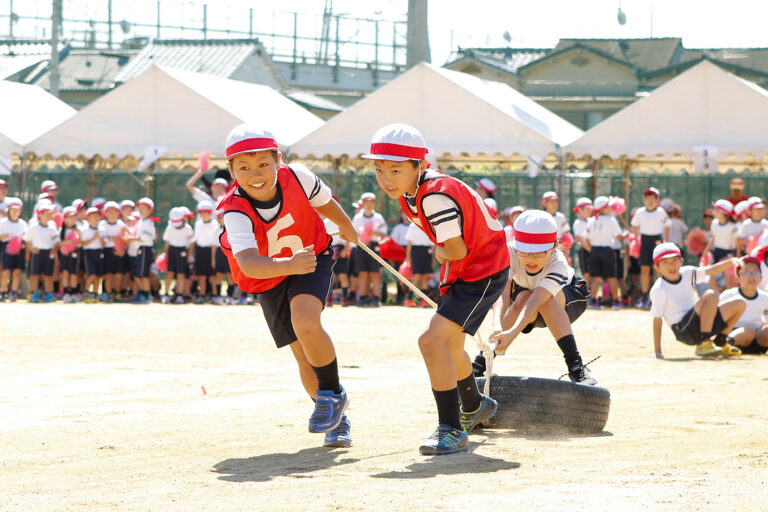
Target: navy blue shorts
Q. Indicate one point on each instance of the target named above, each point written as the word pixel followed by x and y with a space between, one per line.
pixel 276 303
pixel 421 259
pixel 466 303
pixel 15 261
pixel 42 263
pixel 754 348
pixel 143 261
pixel 719 254
pixel 647 244
pixel 94 262
pixel 177 260
pixel 221 264
pixel 342 263
pixel 352 269
pixel 688 330
pixel 204 261
pixel 69 262
pixel 602 262
pixel 576 296
pixel 364 262
pixel 584 261
pixel 619 264
pixel 2 251
pixel 114 264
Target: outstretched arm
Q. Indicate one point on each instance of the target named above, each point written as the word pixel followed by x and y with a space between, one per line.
pixel 333 211
pixel 254 265
pixel 191 181
pixel 528 314
pixel 657 338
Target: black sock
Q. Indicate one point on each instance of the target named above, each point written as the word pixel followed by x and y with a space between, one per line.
pixel 720 339
pixel 448 407
pixel 328 376
pixel 345 292
pixel 571 354
pixel 705 335
pixel 468 393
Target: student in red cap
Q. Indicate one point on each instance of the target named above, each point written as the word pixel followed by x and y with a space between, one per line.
pixel 485 188
pixel 207 232
pixel 277 246
pixel 651 225
pixel 693 319
pixel 470 246
pixel 722 236
pixel 543 291
pixel 369 222
pixel 750 332
pixel 584 211
pixel 12 227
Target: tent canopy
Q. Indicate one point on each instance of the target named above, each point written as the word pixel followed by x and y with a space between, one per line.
pixel 184 111
pixel 456 112
pixel 704 106
pixel 28 111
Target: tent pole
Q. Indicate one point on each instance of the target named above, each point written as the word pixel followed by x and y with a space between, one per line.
pixel 149 182
pixel 627 181
pixel 90 178
pixel 595 177
pixel 561 176
pixel 336 175
pixel 23 177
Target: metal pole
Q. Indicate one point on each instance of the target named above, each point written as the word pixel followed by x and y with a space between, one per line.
pixel 205 21
pixel 158 19
pixel 55 32
pixel 376 55
pixel 109 24
pixel 336 65
pixel 10 22
pixel 295 38
pixel 250 23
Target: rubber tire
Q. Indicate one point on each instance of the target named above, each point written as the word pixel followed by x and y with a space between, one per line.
pixel 548 406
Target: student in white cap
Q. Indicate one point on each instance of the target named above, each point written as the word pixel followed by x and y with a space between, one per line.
pixel 69 261
pixel 601 234
pixel 368 270
pixel 12 227
pixel 278 247
pixel 470 247
pixel 753 226
pixel 722 237
pixel 93 254
pixel 750 332
pixel 207 231
pixel 693 319
pixel 551 202
pixel 485 188
pixel 583 210
pixel 51 190
pixel 218 188
pixel 41 243
pixel 112 229
pixel 142 264
pixel 179 244
pixel 651 225
pixel 543 291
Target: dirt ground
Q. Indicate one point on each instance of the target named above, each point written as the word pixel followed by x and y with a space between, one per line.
pixel 102 408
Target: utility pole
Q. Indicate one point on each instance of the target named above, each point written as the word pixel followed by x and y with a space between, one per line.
pixel 158 19
pixel 55 32
pixel 109 24
pixel 418 35
pixel 10 22
pixel 205 21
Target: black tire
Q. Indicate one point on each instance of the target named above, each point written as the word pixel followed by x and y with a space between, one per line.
pixel 547 406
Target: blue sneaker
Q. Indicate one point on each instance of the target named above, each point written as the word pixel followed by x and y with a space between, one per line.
pixel 339 437
pixel 35 297
pixel 445 440
pixel 104 297
pixel 329 410
pixel 486 410
pixel 49 298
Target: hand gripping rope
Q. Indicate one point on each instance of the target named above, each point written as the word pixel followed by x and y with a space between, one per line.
pixel 485 347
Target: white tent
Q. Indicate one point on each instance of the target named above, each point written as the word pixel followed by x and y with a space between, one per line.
pixel 26 112
pixel 182 111
pixel 457 113
pixel 704 106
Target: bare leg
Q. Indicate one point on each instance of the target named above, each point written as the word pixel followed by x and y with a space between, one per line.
pixel 307 374
pixel 436 345
pixel 743 336
pixel 316 343
pixel 706 307
pixel 613 284
pixel 645 278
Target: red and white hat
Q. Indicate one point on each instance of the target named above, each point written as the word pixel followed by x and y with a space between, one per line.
pixel 69 210
pixel 249 139
pixel 535 231
pixel 723 206
pixel 600 203
pixel 665 250
pixel 550 194
pixel 220 181
pixel 147 202
pixel 48 185
pixel 741 208
pixel 487 185
pixel 127 202
pixel 98 202
pixel 111 205
pixel 751 259
pixel 3 183
pixel 651 191
pixel 46 207
pixel 492 206
pixel 397 142
pixel 367 196
pixel 176 215
pixel 516 209
pixel 755 202
pixel 92 210
pixel 204 206
pixel 79 204
pixel 581 203
pixel 14 202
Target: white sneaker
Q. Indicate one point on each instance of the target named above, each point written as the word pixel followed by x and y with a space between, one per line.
pixel 67 298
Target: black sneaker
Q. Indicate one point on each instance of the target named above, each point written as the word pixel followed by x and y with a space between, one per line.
pixel 580 374
pixel 478 365
pixel 374 302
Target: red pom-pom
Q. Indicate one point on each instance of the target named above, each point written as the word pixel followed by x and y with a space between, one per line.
pixel 696 241
pixel 162 262
pixel 58 218
pixel 634 246
pixel 120 247
pixel 617 205
pixel 390 250
pixel 405 271
pixel 14 246
pixel 73 237
pixel 205 160
pixel 365 233
pixel 706 259
pixel 566 242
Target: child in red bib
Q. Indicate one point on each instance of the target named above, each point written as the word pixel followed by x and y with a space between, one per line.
pixel 470 245
pixel 277 247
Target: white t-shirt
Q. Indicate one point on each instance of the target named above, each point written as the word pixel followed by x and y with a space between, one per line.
pixel 179 237
pixel 580 227
pixel 87 234
pixel 553 277
pixel 443 215
pixel 724 235
pixel 133 246
pixel 650 222
pixel 332 228
pixel 562 224
pixel 672 301
pixel 238 225
pixel 750 228
pixel 677 230
pixel 398 234
pixel 602 231
pixel 16 229
pixel 361 220
pixel 107 231
pixel 756 314
pixel 207 233
pixel 416 236
pixel 147 232
pixel 4 205
pixel 43 236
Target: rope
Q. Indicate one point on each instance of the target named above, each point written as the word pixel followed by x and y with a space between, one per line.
pixel 585 365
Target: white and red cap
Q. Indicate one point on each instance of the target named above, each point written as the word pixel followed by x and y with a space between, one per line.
pixel 14 202
pixel 92 210
pixel 487 185
pixel 127 202
pixel 3 183
pixel 723 206
pixel 98 202
pixel 79 204
pixel 44 196
pixel 204 206
pixel 220 181
pixel 69 210
pixel 600 203
pixel 492 206
pixel 187 212
pixel 176 215
pixel 249 139
pixel 741 208
pixel 665 250
pixel 111 205
pixel 134 216
pixel 535 231
pixel 755 202
pixel 46 207
pixel 516 209
pixel 737 183
pixel 751 259
pixel 581 203
pixel 397 142
pixel 367 196
pixel 146 202
pixel 550 194
pixel 651 191
pixel 48 185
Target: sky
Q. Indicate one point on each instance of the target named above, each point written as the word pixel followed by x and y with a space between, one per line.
pixel 454 23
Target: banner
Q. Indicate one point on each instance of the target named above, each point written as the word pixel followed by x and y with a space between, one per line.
pixel 705 158
pixel 151 155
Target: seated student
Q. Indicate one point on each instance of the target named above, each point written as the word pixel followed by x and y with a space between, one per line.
pixel 543 290
pixel 693 320
pixel 751 330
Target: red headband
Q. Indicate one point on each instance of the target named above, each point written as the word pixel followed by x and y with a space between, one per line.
pixel 536 238
pixel 250 145
pixel 667 253
pixel 385 148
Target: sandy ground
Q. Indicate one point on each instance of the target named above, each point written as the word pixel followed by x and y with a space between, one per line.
pixel 102 408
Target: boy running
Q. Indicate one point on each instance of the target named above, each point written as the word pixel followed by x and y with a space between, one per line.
pixel 470 247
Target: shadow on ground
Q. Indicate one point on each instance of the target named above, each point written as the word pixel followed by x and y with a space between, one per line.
pixel 454 464
pixel 263 468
